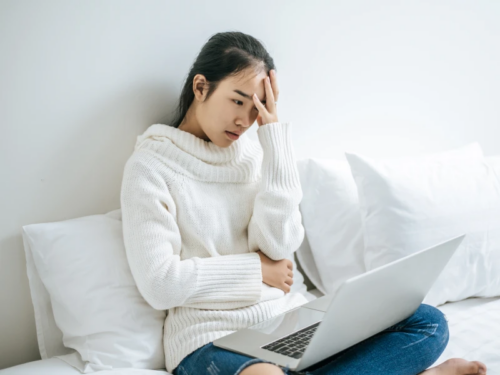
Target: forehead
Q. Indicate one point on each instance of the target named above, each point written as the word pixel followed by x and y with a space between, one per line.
pixel 249 80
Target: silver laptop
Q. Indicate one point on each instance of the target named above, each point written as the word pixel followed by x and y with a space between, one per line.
pixel 363 306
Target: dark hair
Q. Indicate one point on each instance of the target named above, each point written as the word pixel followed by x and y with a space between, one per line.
pixel 225 54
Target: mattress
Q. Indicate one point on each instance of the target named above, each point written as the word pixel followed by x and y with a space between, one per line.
pixel 474 325
pixel 56 366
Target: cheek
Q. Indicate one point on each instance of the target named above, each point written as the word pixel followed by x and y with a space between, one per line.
pixel 218 115
pixel 225 118
pixel 231 113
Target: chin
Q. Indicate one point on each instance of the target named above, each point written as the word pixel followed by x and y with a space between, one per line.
pixel 226 142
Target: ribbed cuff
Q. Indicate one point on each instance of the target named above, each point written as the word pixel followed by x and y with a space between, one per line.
pixel 279 169
pixel 227 278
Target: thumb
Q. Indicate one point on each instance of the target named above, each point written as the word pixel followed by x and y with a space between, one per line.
pixel 259 120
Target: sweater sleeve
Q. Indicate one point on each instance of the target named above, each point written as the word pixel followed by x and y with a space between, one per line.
pixel 276 223
pixel 153 246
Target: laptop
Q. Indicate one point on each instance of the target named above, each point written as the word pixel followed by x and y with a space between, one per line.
pixel 363 306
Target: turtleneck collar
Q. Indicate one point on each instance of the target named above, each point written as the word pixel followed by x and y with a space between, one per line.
pixel 201 159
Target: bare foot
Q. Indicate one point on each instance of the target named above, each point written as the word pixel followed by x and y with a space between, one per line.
pixel 457 366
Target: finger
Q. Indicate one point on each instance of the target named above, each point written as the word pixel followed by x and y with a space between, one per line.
pixel 274 84
pixel 286 288
pixel 258 104
pixel 289 264
pixel 259 119
pixel 289 281
pixel 269 95
pixel 290 274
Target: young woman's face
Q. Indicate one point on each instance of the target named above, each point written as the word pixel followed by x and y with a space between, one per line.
pixel 230 108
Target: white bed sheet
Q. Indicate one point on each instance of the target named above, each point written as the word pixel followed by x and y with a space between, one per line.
pixel 474 325
pixel 56 366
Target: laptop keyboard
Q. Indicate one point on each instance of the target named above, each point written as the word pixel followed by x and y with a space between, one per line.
pixel 294 344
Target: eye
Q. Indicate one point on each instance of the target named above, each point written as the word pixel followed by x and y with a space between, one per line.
pixel 239 101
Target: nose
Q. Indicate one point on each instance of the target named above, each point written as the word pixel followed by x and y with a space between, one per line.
pixel 246 121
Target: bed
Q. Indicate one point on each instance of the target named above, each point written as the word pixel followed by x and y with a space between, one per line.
pixel 335 243
pixel 474 325
pixel 474 335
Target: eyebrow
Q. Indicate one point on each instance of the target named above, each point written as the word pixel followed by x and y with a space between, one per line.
pixel 247 96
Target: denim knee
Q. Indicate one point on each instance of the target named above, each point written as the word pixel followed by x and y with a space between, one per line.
pixel 434 316
pixel 254 361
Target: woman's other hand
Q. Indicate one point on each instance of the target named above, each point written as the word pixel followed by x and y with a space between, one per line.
pixel 268 113
pixel 276 273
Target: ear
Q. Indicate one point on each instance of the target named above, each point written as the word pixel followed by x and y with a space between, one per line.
pixel 200 87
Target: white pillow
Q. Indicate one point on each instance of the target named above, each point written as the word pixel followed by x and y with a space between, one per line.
pixel 104 229
pixel 306 260
pixel 408 204
pixel 333 247
pixel 50 337
pixel 100 314
pixel 332 222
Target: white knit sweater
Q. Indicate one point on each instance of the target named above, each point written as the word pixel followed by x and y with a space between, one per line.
pixel 193 216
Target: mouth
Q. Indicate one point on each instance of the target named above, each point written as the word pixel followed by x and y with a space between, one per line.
pixel 232 136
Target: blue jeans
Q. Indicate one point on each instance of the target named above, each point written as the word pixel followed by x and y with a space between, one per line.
pixel 406 348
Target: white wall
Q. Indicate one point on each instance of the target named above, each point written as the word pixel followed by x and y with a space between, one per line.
pixel 79 80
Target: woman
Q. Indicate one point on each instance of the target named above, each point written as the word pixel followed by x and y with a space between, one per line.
pixel 211 220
